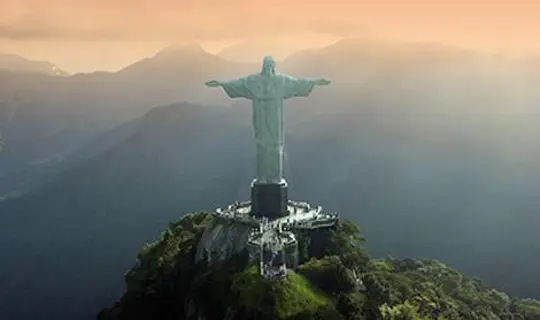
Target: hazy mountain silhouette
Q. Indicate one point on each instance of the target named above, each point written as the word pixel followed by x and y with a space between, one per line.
pixel 253 50
pixel 437 159
pixel 11 62
pixel 42 117
pixel 349 56
pixel 51 115
pixel 33 176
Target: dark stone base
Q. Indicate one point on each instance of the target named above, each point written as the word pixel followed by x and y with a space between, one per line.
pixel 269 199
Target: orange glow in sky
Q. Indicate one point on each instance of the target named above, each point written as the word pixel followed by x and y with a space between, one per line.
pixel 107 34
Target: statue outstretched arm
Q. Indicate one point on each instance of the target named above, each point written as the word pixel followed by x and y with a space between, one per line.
pixel 301 87
pixel 234 88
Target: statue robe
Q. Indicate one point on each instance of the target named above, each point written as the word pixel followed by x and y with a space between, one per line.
pixel 267 94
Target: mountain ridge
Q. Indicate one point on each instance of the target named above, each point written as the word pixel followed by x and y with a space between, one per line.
pixel 16 63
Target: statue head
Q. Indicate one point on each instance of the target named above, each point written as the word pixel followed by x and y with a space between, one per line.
pixel 269 66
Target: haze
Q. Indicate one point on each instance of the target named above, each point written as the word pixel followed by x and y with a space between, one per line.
pixel 88 35
pixel 433 149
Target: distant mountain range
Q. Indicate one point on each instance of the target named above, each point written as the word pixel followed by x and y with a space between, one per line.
pixel 253 50
pixel 42 117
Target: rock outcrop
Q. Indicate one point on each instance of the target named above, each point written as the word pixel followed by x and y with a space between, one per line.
pixel 222 240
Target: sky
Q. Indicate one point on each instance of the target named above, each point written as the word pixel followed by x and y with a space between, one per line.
pixel 84 35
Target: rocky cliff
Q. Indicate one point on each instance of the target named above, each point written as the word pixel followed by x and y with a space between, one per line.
pixel 221 241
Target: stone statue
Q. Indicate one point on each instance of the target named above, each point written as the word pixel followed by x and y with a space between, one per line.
pixel 267 90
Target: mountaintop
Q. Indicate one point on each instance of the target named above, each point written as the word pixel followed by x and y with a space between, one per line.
pixel 336 279
pixel 16 63
pixel 188 60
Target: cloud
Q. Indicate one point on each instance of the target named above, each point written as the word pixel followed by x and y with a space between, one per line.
pixel 176 31
pixel 165 20
pixel 336 27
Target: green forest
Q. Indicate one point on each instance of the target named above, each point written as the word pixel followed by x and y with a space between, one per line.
pixel 336 279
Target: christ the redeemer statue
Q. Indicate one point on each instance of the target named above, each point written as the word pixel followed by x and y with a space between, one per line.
pixel 267 90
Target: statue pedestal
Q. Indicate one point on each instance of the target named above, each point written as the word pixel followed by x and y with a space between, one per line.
pixel 269 199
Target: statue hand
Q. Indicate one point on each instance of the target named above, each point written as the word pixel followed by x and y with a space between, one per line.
pixel 213 83
pixel 322 82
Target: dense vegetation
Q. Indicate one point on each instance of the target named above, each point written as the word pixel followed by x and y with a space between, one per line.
pixel 335 280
